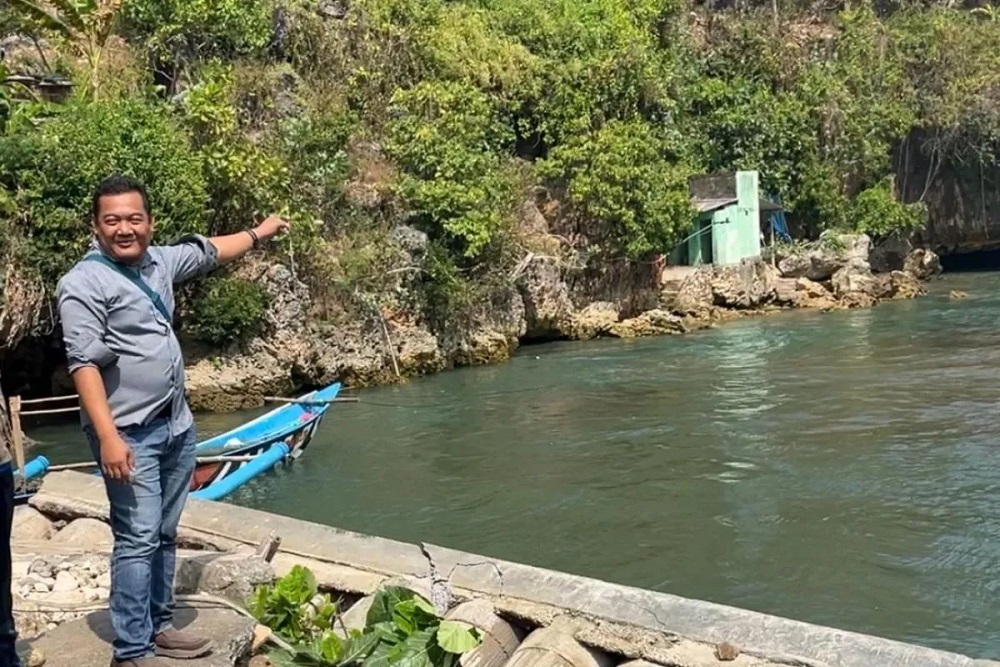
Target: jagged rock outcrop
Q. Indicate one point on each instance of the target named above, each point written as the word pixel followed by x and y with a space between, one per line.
pixel 386 342
pixel 821 260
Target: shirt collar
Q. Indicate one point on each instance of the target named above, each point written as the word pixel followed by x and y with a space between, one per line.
pixel 95 246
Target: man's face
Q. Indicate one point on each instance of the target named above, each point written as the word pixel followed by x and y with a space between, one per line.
pixel 123 228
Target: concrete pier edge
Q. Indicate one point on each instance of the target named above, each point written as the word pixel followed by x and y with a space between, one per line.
pixel 357 563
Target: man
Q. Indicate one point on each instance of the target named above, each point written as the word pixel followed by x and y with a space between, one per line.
pixel 8 633
pixel 116 308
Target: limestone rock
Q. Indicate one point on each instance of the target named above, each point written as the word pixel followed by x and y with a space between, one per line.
pixel 694 295
pixel 593 321
pixel 554 646
pixel 650 323
pixel 743 286
pixel 92 532
pixel 889 254
pixel 922 263
pixel 30 524
pixel 547 301
pixel 65 582
pixel 854 285
pixel 822 260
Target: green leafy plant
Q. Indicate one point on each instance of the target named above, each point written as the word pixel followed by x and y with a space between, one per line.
pixel 86 25
pixel 227 310
pixel 401 627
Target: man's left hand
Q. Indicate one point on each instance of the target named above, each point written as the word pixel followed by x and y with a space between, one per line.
pixel 272 226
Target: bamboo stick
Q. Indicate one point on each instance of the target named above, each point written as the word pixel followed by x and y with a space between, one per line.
pixel 306 401
pixel 35 401
pixel 15 434
pixel 54 411
pixel 200 459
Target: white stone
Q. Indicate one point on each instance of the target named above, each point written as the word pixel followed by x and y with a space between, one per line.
pixel 102 593
pixel 30 525
pixel 65 582
pixel 19 569
pixel 91 532
pixel 40 588
pixel 103 580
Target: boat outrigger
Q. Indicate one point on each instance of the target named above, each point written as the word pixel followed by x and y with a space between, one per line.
pixel 229 460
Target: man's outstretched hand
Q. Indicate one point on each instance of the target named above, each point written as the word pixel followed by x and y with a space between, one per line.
pixel 271 227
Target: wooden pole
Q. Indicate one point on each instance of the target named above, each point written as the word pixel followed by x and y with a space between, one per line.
pixel 15 435
pixel 54 411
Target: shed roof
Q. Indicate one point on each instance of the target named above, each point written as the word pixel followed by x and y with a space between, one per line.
pixel 706 205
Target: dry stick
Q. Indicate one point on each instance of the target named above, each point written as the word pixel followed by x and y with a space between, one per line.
pixel 35 401
pixel 388 342
pixel 306 401
pixel 15 434
pixel 55 411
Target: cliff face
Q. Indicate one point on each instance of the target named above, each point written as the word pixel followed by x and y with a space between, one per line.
pixel 962 198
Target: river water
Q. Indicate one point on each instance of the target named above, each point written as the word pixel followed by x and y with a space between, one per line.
pixel 836 468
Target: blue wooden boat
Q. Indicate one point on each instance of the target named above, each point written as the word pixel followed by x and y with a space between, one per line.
pixel 231 459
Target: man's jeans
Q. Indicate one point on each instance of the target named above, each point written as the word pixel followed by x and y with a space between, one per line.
pixel 8 634
pixel 144 518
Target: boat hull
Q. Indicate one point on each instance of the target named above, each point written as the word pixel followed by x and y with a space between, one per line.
pixel 293 424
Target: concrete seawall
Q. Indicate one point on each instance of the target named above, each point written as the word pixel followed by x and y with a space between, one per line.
pixel 622 623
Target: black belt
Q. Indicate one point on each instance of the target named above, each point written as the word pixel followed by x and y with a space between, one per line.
pixel 166 412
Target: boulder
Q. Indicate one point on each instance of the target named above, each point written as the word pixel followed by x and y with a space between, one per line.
pixel 890 253
pixel 30 525
pixel 547 303
pixel 232 576
pixel 593 321
pixel 802 293
pixel 694 295
pixel 92 532
pixel 743 286
pixel 650 323
pixel 823 259
pixel 500 637
pixel 922 263
pixel 854 285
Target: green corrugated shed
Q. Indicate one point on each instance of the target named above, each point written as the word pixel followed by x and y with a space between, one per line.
pixel 727 229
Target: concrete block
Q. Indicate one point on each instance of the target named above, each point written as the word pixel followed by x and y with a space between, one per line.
pixel 86 642
pixel 555 646
pixel 232 576
pixel 500 638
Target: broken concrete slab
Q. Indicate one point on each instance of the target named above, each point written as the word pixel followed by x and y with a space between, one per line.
pixel 67 494
pixel 778 639
pixel 555 646
pixel 86 642
pixel 500 637
pixel 231 576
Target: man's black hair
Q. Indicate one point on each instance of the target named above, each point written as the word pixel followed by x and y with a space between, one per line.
pixel 118 184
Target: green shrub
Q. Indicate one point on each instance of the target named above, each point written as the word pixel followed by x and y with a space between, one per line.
pixel 227 310
pixel 620 177
pixel 449 142
pixel 51 172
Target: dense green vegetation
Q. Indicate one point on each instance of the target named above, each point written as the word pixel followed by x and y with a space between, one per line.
pixel 401 627
pixel 454 112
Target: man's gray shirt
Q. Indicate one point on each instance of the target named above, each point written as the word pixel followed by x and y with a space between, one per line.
pixel 112 325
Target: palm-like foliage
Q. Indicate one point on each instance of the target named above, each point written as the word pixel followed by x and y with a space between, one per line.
pixel 86 25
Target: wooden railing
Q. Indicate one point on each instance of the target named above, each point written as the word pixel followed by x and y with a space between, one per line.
pixel 17 411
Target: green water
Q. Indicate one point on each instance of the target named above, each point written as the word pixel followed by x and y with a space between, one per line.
pixel 836 468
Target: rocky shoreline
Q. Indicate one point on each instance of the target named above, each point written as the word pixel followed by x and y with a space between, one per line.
pixel 544 300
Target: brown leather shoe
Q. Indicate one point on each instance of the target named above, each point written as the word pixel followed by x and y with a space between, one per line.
pixel 176 644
